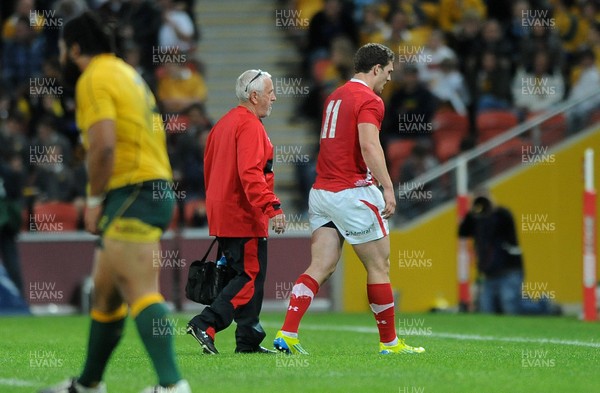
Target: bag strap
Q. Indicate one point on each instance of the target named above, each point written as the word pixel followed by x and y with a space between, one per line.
pixel 210 248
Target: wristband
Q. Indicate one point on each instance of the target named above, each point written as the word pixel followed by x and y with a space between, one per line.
pixel 93 201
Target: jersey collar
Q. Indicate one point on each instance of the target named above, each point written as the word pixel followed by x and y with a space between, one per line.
pixel 359 81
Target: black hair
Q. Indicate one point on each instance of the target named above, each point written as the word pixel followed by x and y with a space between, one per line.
pixel 370 55
pixel 90 33
pixel 482 205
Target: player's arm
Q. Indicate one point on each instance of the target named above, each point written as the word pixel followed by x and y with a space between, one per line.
pixel 372 153
pixel 100 155
pixel 100 163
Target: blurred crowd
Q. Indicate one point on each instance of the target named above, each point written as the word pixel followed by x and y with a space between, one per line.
pixel 465 70
pixel 39 142
pixel 458 62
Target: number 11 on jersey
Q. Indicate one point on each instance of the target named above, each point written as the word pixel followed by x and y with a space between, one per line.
pixel 331 119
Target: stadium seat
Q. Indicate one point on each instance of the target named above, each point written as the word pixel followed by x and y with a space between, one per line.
pixel 553 130
pixel 507 155
pixel 594 118
pixel 53 216
pixel 493 123
pixel 396 153
pixel 449 129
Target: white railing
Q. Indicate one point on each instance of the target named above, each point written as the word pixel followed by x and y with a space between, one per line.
pixel 446 189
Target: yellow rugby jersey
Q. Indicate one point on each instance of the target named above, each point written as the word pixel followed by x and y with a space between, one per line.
pixel 110 89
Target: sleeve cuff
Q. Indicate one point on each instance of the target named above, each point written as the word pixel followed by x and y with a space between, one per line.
pixel 273 210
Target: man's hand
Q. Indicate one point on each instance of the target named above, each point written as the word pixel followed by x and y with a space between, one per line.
pixel 91 218
pixel 278 223
pixel 389 197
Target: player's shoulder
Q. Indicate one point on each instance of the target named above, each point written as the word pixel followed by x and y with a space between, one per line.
pixel 103 69
pixel 503 212
pixel 352 91
pixel 362 92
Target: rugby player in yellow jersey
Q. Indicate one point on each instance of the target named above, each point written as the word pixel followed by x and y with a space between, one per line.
pixel 127 159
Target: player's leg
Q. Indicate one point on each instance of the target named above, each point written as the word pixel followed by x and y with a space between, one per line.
pixel 487 296
pixel 138 282
pixel 367 231
pixel 107 322
pixel 131 242
pixel 510 292
pixel 326 247
pixel 375 257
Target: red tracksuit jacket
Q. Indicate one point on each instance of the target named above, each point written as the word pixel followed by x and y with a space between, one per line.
pixel 238 174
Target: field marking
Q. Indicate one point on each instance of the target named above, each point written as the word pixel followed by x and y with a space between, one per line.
pixel 16 382
pixel 454 336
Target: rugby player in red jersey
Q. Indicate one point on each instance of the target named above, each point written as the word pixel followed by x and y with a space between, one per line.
pixel 345 202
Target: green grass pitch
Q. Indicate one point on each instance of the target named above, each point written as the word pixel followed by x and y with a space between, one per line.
pixel 465 353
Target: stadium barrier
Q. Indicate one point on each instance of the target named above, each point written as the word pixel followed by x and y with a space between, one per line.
pixel 55 267
pixel 536 182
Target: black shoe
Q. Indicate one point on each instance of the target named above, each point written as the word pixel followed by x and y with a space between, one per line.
pixel 206 342
pixel 72 386
pixel 260 349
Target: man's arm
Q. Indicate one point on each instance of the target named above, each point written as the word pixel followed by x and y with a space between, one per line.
pixel 100 155
pixel 372 153
pixel 250 150
pixel 100 162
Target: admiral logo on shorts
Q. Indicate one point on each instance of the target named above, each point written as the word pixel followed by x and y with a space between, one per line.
pixel 361 233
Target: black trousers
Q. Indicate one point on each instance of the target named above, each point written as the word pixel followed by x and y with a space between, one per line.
pixel 241 299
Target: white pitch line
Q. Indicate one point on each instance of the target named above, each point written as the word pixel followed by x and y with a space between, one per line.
pixel 16 382
pixel 454 336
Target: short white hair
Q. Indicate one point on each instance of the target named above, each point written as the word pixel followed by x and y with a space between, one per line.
pixel 249 81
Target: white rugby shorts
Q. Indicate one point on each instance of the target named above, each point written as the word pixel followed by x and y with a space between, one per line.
pixel 356 212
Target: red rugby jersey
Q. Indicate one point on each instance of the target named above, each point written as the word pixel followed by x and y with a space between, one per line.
pixel 340 164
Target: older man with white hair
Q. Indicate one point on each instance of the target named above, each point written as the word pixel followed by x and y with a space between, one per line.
pixel 238 173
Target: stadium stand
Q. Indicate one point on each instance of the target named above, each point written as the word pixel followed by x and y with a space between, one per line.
pixel 485 39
